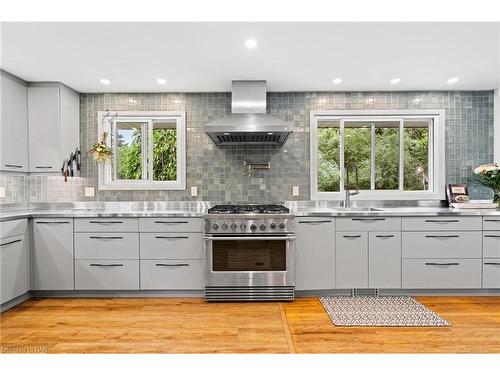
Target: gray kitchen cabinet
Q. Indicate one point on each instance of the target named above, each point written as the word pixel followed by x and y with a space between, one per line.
pixel 106 224
pixel 14 262
pixel 99 274
pixel 491 273
pixel 442 244
pixel 171 224
pixel 53 124
pixel 491 244
pixel 106 245
pixel 315 253
pixel 384 260
pixel 172 246
pixel 172 274
pixel 14 124
pixel 438 223
pixel 53 254
pixel 351 260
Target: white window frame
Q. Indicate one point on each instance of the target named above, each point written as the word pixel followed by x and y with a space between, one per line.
pixel 436 153
pixel 107 123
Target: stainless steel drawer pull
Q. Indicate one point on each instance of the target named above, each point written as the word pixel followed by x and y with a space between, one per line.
pixel 442 264
pixel 106 265
pixel 172 265
pixel 105 222
pixel 106 237
pixel 368 219
pixel 493 220
pixel 492 263
pixel 11 242
pixel 52 222
pixel 42 167
pixel 13 165
pixel 491 236
pixel 441 221
pixel 170 222
pixel 385 236
pixel 172 237
pixel 353 236
pixel 442 236
pixel 315 222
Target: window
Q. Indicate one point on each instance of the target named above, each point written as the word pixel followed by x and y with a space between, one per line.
pixel 399 154
pixel 148 151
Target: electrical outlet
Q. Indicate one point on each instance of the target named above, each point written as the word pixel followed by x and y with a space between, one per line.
pixel 89 192
pixel 194 191
pixel 2 192
pixel 295 191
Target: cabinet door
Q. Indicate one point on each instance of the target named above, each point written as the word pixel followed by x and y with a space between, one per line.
pixel 44 129
pixel 14 115
pixel 315 254
pixel 53 254
pixel 491 273
pixel 351 260
pixel 14 267
pixel 384 260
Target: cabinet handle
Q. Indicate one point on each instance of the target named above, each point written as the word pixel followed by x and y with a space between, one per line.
pixel 52 222
pixel 368 219
pixel 11 242
pixel 170 222
pixel 492 220
pixel 172 265
pixel 442 221
pixel 106 237
pixel 492 263
pixel 491 236
pixel 105 222
pixel 442 264
pixel 315 222
pixel 106 265
pixel 43 167
pixel 384 235
pixel 443 236
pixel 172 237
pixel 13 165
pixel 353 236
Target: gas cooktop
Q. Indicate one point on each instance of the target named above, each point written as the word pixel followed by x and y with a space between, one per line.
pixel 248 209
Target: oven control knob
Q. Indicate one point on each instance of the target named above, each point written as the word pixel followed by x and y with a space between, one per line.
pixel 262 227
pixel 215 226
pixel 234 226
pixel 282 225
pixel 243 226
pixel 273 226
pixel 253 227
pixel 224 226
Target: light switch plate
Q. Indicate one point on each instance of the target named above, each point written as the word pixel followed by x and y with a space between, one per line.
pixel 194 191
pixel 295 191
pixel 89 192
pixel 2 192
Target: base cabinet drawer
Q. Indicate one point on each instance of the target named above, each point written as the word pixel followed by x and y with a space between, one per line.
pixel 433 223
pixel 172 246
pixel 491 244
pixel 442 244
pixel 106 245
pixel 171 224
pixel 13 228
pixel 100 274
pixel 441 273
pixel 491 223
pixel 106 224
pixel 491 273
pixel 14 267
pixel 367 223
pixel 172 274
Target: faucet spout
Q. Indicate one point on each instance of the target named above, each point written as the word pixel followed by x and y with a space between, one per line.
pixel 348 165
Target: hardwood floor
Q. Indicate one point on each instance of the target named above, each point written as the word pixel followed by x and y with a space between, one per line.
pixel 188 325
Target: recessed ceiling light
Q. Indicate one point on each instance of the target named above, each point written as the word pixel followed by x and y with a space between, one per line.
pixel 251 43
pixel 395 80
pixel 336 81
pixel 161 81
pixel 105 81
pixel 452 80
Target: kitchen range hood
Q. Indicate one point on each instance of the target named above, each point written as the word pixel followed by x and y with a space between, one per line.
pixel 248 123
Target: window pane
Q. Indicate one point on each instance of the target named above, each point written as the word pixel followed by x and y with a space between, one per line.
pixel 164 151
pixel 329 156
pixel 416 155
pixel 357 148
pixel 387 155
pixel 128 151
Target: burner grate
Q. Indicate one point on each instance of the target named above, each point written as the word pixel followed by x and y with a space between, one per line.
pixel 249 209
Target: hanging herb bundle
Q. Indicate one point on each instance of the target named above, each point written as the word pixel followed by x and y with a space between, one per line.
pixel 100 151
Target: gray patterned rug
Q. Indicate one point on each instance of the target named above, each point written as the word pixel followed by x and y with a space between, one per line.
pixel 380 312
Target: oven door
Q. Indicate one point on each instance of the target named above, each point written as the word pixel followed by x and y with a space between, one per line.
pixel 250 260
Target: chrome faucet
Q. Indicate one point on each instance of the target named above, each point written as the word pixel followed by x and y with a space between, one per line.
pixel 348 193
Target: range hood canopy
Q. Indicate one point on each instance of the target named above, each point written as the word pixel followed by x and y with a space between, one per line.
pixel 248 123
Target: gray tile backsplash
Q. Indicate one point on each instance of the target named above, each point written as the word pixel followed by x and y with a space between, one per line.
pixel 218 171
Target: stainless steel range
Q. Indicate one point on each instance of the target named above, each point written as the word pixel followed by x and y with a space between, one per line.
pixel 249 252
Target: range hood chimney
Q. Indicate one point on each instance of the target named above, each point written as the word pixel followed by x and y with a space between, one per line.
pixel 248 123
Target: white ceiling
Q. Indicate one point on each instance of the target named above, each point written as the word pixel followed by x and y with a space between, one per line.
pixel 290 56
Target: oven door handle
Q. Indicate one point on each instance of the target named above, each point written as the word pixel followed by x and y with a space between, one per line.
pixel 275 238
